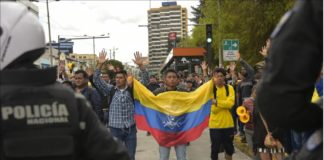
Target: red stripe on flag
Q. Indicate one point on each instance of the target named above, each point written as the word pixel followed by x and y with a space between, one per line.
pixel 167 139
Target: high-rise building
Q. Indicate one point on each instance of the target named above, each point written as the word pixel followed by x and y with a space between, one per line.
pixel 162 21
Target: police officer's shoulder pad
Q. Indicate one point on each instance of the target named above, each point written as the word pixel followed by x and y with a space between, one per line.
pixel 281 23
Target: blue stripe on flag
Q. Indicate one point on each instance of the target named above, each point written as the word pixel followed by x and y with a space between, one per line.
pixel 169 123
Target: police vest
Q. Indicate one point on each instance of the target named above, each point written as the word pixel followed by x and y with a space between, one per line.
pixel 38 123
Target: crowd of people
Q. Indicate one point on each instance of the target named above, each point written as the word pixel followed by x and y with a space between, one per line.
pixel 238 84
pixel 111 100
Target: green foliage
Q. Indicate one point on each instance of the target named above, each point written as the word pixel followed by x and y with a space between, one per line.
pixel 196 11
pixel 114 63
pixel 250 21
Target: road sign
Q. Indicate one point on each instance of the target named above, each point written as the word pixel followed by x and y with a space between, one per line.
pixel 172 36
pixel 230 47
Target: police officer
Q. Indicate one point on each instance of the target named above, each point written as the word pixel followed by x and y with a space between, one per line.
pixel 40 118
pixel 294 62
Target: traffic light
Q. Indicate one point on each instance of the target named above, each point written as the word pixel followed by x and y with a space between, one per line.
pixel 209 39
pixel 209 33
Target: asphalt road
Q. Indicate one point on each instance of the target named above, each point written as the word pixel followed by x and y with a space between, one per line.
pixel 147 149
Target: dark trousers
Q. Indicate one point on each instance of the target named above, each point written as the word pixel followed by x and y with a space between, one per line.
pixel 235 118
pixel 221 136
pixel 241 127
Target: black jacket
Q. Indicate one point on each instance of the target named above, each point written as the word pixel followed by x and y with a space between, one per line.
pixel 294 62
pixel 244 88
pixel 41 119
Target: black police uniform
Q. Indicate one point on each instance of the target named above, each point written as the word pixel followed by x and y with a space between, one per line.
pixel 41 119
pixel 294 62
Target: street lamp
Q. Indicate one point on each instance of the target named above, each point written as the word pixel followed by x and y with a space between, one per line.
pixel 49 29
pixel 93 44
pixel 88 37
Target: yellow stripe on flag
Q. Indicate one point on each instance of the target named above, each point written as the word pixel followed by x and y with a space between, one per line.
pixel 174 103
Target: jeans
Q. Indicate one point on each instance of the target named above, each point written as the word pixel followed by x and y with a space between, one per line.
pixel 128 137
pixel 221 136
pixel 179 149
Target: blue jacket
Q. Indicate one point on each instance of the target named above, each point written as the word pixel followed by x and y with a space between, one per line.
pixel 94 98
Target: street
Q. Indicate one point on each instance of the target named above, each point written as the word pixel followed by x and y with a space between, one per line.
pixel 147 149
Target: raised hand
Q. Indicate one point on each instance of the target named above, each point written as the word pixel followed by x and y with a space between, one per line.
pixel 204 65
pixel 89 71
pixel 238 56
pixel 265 49
pixel 232 66
pixel 138 59
pixel 102 57
pixel 111 67
pixel 61 67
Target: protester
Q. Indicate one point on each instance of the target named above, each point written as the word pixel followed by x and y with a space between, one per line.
pixel 221 124
pixel 121 121
pixel 198 81
pixel 190 85
pixel 91 94
pixel 104 99
pixel 61 124
pixel 62 74
pixel 244 89
pixel 153 83
pixel 171 80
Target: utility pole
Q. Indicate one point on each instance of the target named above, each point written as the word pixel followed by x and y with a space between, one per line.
pixel 59 45
pixel 93 42
pixel 94 50
pixel 114 51
pixel 220 57
pixel 49 33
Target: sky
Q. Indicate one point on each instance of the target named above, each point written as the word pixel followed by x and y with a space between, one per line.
pixel 121 19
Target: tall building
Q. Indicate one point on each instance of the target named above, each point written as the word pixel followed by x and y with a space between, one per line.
pixel 89 59
pixel 162 21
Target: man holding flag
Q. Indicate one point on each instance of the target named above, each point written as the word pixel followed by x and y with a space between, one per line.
pixel 173 118
pixel 171 82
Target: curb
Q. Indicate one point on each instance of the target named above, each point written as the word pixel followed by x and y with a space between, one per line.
pixel 243 147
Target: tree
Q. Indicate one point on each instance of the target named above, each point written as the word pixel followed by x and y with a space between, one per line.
pixel 196 11
pixel 115 64
pixel 250 21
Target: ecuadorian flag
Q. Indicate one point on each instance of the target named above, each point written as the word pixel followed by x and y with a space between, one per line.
pixel 173 117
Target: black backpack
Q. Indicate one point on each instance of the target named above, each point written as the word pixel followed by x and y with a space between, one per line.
pixel 215 90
